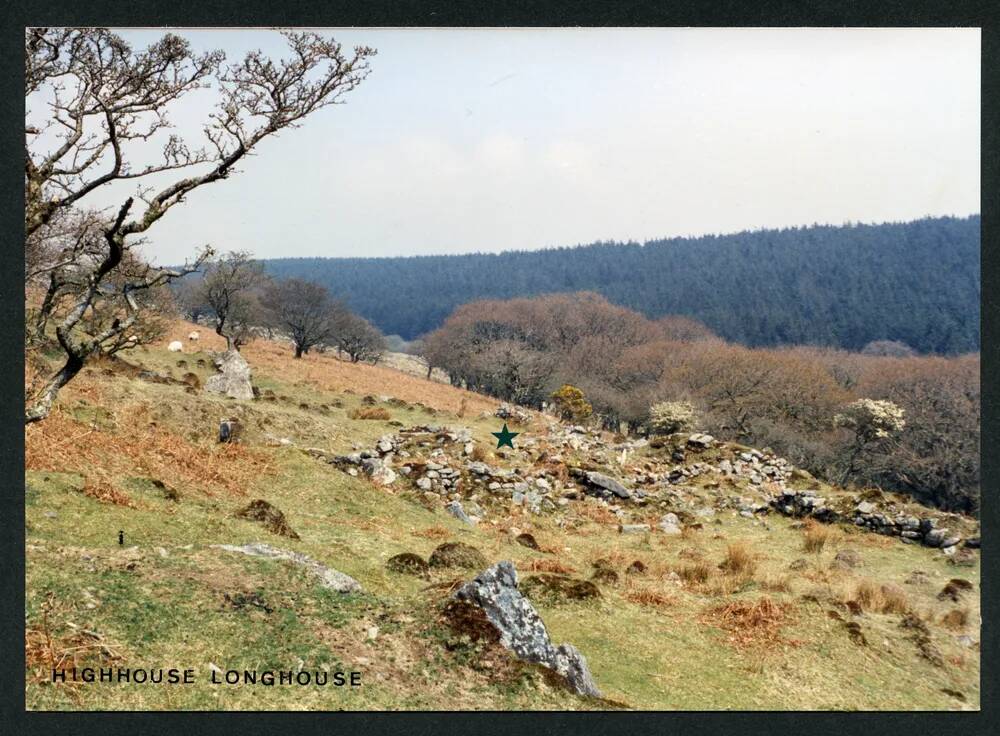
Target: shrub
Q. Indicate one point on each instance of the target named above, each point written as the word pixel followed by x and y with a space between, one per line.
pixel 571 404
pixel 668 417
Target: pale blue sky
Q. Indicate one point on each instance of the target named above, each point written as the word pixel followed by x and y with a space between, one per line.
pixel 465 140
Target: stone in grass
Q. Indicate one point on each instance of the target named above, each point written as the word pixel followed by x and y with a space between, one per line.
pixel 560 587
pixel 457 554
pixel 526 540
pixel 518 627
pixel 848 557
pixel 269 516
pixel 455 509
pixel 408 563
pixel 328 577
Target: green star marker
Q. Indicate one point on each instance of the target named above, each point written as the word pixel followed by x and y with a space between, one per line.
pixel 505 437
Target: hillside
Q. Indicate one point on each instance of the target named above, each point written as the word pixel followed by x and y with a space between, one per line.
pixel 915 282
pixel 738 601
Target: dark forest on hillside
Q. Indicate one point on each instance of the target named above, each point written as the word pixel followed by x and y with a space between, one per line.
pixel 843 286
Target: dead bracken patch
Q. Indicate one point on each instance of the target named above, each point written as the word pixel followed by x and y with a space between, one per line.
pixel 650 597
pixel 751 624
pixel 137 445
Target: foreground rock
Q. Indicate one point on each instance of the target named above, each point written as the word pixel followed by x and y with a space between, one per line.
pixel 329 578
pixel 521 629
pixel 233 378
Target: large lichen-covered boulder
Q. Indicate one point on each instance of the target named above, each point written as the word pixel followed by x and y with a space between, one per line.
pixel 521 629
pixel 233 378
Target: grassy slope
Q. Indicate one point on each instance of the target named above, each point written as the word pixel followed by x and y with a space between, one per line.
pixel 651 644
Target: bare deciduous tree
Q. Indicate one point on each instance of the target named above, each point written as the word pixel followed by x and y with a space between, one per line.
pixel 358 337
pixel 106 102
pixel 303 308
pixel 228 288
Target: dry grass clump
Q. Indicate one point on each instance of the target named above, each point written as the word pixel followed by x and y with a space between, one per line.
pixel 739 560
pixel 695 573
pixel 646 596
pixel 751 623
pixel 555 566
pixel 956 619
pixel 775 583
pixel 886 598
pixel 815 536
pixel 479 453
pixel 369 412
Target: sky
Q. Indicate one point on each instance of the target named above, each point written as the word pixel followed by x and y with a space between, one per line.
pixel 497 139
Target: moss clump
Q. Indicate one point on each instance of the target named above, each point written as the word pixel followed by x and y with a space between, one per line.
pixel 407 563
pixel 457 554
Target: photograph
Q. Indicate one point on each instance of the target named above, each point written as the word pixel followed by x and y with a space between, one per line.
pixel 501 368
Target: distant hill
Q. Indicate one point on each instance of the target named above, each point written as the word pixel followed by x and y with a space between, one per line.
pixel 916 282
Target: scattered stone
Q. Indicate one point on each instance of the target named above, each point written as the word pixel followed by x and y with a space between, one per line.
pixel 269 516
pixel 849 557
pixel 633 528
pixel 329 578
pixel 230 430
pixel 457 554
pixel 408 563
pixel 700 441
pixel 525 539
pixel 964 557
pixel 605 483
pixel 455 509
pixel 670 524
pixel 378 470
pixel 519 627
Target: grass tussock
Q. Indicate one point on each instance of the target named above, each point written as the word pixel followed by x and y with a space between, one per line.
pixel 646 596
pixel 815 536
pixel 369 412
pixel 886 598
pixel 956 619
pixel 739 560
pixel 695 573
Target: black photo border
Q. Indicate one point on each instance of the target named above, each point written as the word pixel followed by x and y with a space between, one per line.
pixel 18 14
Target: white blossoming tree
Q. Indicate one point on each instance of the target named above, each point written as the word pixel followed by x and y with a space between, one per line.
pixel 668 417
pixel 872 422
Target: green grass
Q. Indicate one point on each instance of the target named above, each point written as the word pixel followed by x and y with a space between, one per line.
pixel 160 599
